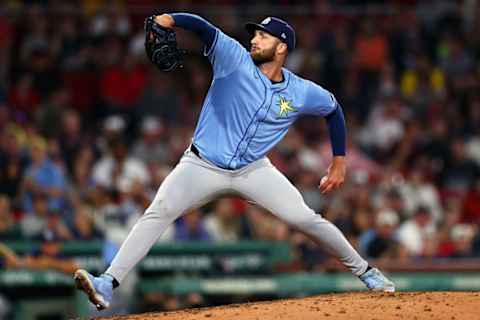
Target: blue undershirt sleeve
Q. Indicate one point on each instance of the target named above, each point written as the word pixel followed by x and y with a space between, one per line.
pixel 196 24
pixel 337 130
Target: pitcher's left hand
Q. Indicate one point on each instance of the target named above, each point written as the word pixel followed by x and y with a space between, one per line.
pixel 335 175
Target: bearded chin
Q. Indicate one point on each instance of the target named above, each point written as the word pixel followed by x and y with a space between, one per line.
pixel 261 58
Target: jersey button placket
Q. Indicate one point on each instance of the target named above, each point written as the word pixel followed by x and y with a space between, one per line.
pixel 248 138
pixel 260 115
pixel 251 130
pixel 243 146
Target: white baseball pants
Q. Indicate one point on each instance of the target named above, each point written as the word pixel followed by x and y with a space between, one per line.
pixel 195 182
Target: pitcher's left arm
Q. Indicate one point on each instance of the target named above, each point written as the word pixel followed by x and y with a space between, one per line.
pixel 321 102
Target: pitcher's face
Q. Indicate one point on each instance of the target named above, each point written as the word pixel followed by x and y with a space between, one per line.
pixel 264 47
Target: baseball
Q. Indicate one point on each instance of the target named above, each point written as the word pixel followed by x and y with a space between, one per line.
pixel 323 180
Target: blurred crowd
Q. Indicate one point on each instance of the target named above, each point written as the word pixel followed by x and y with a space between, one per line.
pixel 89 129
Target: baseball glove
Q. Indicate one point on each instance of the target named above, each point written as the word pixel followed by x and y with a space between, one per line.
pixel 161 46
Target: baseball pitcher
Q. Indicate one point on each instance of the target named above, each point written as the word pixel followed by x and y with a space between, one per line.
pixel 252 102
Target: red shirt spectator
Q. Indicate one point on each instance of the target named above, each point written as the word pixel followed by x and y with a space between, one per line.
pixel 471 205
pixel 6 32
pixel 121 86
pixel 371 49
pixel 23 96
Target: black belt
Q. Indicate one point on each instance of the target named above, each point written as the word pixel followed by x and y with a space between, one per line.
pixel 195 151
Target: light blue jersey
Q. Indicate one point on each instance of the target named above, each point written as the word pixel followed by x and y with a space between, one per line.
pixel 244 114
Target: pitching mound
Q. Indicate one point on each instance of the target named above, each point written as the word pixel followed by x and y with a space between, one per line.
pixel 364 305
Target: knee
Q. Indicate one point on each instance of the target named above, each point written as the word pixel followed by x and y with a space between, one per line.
pixel 308 220
pixel 163 208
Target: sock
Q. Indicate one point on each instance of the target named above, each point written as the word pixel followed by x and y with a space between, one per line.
pixel 368 269
pixel 115 283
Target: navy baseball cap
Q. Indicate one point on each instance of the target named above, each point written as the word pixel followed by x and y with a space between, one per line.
pixel 277 28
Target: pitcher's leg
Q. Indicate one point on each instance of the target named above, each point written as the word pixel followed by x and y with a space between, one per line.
pixel 270 189
pixel 186 187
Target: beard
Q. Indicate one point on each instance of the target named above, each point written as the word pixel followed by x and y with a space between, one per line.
pixel 263 56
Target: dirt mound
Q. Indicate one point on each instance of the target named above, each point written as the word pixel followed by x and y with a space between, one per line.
pixel 346 306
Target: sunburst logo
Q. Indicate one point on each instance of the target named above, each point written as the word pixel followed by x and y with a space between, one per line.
pixel 285 107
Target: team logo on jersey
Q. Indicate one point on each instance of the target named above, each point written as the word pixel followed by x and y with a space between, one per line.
pixel 285 107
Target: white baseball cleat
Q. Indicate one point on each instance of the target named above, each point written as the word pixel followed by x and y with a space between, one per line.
pixel 98 289
pixel 376 281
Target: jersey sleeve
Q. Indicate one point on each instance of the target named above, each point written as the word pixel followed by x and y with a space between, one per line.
pixel 226 55
pixel 318 101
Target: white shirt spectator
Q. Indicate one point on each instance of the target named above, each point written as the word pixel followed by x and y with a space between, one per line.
pixel 132 170
pixel 473 149
pixel 414 237
pixel 385 125
pixel 219 231
pixel 422 193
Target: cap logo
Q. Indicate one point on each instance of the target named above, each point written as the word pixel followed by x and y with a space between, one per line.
pixel 266 20
pixel 283 35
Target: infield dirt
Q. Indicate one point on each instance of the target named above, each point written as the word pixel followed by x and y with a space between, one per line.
pixel 345 306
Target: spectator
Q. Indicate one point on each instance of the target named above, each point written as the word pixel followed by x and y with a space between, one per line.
pixel 122 84
pixel 160 91
pixel 70 40
pixel 462 236
pixel 473 143
pixel 48 257
pixel 51 112
pixel 418 191
pixel 23 97
pixel 81 180
pixel 436 146
pixel 45 74
pixel 13 161
pixel 471 204
pixel 304 61
pixel 111 219
pixel 4 112
pixel 460 172
pixel 259 224
pixel 385 127
pixel 451 219
pixel 223 223
pixel 118 170
pixel 415 233
pixel 43 175
pixel 70 137
pixel 7 32
pixel 35 221
pixel 370 55
pixel 114 127
pixel 457 61
pixel 191 227
pixel 84 227
pixel 55 227
pixel 384 245
pixel 151 147
pixel 9 228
